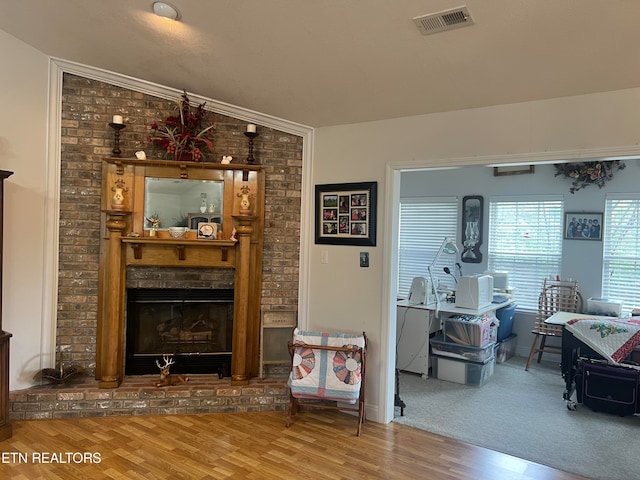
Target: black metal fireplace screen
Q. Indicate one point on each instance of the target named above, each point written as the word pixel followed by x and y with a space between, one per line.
pixel 193 326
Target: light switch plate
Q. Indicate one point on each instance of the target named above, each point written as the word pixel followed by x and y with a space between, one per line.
pixel 364 259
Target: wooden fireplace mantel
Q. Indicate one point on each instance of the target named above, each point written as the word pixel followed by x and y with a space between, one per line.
pixel 171 252
pixel 127 240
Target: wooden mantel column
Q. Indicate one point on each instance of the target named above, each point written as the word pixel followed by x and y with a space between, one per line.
pixel 110 347
pixel 239 365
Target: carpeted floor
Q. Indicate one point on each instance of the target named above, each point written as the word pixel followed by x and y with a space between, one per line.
pixel 523 414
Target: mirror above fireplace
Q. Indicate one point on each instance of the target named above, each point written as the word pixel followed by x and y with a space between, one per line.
pixel 174 200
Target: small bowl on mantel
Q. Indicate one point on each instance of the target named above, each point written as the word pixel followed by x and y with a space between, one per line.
pixel 177 232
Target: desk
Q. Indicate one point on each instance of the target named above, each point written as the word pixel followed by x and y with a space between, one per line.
pixel 447 307
pixel 416 323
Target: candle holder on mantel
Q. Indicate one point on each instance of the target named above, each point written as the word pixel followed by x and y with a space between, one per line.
pixel 251 135
pixel 116 143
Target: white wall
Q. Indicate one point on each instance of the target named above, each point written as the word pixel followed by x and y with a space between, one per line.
pixel 23 141
pixel 346 296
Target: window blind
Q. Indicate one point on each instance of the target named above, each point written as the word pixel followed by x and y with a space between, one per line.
pixel 424 224
pixel 525 239
pixel 621 250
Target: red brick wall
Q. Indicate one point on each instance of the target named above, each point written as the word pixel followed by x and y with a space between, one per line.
pixel 87 107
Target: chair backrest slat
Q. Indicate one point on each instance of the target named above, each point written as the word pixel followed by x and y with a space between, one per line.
pixel 556 296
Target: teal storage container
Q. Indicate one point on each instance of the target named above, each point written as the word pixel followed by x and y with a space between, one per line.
pixel 505 317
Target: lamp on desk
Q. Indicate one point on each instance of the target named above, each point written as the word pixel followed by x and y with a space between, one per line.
pixel 448 246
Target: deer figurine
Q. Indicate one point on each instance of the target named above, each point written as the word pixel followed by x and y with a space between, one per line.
pixel 166 379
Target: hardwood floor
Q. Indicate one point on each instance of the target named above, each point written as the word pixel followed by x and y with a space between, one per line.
pixel 319 444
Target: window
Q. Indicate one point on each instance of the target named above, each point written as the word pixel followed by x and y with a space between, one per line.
pixel 525 239
pixel 621 250
pixel 424 224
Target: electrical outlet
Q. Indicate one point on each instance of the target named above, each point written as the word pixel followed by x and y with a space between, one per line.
pixel 364 259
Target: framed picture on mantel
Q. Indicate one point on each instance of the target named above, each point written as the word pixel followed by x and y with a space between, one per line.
pixel 346 213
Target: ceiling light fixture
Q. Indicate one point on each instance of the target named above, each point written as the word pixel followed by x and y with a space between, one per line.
pixel 166 10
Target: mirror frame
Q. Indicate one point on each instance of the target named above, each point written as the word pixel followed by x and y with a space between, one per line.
pixel 136 172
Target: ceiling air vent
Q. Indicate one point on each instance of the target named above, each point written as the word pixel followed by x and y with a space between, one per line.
pixel 445 20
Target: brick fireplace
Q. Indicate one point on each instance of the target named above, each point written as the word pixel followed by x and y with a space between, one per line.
pixel 87 106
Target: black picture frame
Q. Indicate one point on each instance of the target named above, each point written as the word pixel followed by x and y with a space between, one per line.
pixel 346 213
pixel 576 223
pixel 471 228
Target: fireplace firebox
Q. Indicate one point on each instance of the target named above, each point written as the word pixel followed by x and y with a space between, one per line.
pixel 192 326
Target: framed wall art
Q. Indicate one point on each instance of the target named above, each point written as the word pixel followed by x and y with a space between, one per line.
pixel 583 226
pixel 471 229
pixel 346 213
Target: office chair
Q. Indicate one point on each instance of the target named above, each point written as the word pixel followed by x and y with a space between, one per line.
pixel 556 296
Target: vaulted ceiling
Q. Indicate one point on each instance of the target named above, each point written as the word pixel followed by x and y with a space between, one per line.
pixel 333 62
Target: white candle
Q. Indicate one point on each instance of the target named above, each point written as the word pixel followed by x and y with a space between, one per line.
pixel 117 119
pixel 251 128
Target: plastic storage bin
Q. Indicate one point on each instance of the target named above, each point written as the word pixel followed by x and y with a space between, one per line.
pixel 471 330
pixel 505 317
pixel 506 348
pixel 603 306
pixel 460 371
pixel 440 347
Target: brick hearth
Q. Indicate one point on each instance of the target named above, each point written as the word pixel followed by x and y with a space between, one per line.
pixel 138 396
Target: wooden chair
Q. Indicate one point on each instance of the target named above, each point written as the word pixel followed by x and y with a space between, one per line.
pixel 556 296
pixel 327 371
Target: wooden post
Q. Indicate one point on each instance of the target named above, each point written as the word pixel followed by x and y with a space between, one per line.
pixel 239 364
pixel 111 341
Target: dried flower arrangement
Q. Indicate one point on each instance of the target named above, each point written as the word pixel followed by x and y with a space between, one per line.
pixel 584 174
pixel 183 135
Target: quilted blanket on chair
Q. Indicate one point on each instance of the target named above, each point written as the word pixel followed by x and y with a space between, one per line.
pixel 326 374
pixel 614 338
